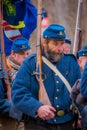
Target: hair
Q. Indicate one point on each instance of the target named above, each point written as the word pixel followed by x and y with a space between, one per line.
pixel 47 40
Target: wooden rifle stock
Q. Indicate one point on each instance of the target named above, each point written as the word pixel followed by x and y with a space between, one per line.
pixel 43 97
pixel 77 38
pixel 4 74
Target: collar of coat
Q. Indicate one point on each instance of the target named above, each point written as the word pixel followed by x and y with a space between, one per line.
pixel 13 63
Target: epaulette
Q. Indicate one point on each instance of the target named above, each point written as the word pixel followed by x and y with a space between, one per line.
pixel 71 55
pixel 31 56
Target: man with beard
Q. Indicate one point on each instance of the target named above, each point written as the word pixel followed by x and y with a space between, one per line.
pixel 25 88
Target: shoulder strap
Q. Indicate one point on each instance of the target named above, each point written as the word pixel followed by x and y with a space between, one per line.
pixel 51 66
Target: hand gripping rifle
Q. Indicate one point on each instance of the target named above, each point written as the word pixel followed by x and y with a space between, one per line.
pixel 43 97
pixel 78 32
pixel 3 63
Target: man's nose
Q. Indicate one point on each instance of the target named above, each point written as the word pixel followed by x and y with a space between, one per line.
pixel 59 48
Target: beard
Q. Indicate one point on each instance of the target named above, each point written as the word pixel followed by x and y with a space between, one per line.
pixel 53 56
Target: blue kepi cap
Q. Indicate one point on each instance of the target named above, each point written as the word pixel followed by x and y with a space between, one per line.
pixel 68 41
pixel 20 44
pixel 82 52
pixel 55 32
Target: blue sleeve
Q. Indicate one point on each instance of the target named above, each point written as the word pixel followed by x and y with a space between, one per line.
pixel 5 104
pixel 21 91
pixel 83 85
pixel 77 72
pixel 75 68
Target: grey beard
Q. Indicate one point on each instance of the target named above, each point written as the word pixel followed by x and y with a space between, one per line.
pixel 53 57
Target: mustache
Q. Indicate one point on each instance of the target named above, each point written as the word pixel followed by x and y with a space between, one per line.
pixel 55 53
pixel 54 57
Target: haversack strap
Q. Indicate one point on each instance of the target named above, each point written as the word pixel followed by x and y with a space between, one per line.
pixel 51 66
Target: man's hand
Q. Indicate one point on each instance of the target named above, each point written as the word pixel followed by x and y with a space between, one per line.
pixel 46 112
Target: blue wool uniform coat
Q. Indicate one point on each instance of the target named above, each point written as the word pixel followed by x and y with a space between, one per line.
pixel 5 104
pixel 83 86
pixel 25 87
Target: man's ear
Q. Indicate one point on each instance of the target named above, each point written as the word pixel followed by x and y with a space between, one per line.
pixel 43 41
pixel 12 53
pixel 79 61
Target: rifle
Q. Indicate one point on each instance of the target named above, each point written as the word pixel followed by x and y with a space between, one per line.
pixel 4 70
pixel 43 97
pixel 78 31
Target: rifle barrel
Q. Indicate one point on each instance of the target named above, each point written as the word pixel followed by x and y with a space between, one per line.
pixel 78 29
pixel 43 97
pixel 38 46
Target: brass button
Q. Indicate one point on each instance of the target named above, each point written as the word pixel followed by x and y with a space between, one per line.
pixel 56 98
pixel 54 120
pixel 83 54
pixel 60 113
pixel 57 82
pixel 67 72
pixel 57 106
pixel 57 90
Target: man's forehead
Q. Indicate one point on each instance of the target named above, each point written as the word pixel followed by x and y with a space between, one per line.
pixel 56 41
pixel 83 57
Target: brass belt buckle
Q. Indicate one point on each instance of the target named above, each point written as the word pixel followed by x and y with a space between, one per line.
pixel 60 113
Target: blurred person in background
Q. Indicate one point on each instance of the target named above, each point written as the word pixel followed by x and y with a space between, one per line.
pixel 67 46
pixel 19 51
pixel 76 93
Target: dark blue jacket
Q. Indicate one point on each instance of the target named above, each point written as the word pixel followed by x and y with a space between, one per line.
pixel 5 104
pixel 25 87
pixel 83 85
